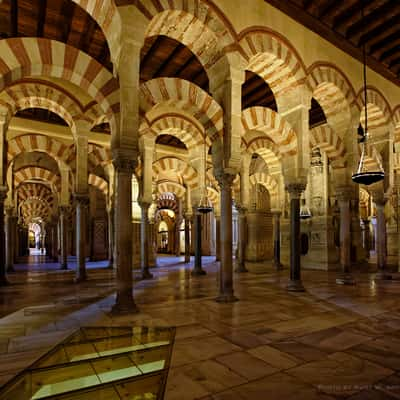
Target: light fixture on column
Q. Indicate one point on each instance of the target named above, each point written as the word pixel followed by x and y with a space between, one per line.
pixel 204 204
pixel 305 212
pixel 364 175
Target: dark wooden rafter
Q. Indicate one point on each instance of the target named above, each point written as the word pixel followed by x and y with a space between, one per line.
pixel 67 14
pixel 41 18
pixel 380 33
pixel 392 52
pixel 352 12
pixel 329 7
pixel 384 43
pixel 373 18
pixel 87 34
pixel 14 18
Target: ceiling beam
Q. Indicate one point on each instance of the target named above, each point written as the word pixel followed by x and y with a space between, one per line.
pixel 379 33
pixel 325 31
pixel 167 62
pixel 329 7
pixel 67 13
pixel 384 43
pixel 41 18
pixel 374 17
pixel 395 45
pixel 90 26
pixel 14 18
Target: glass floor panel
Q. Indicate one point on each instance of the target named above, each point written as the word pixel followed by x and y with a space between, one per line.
pixel 103 363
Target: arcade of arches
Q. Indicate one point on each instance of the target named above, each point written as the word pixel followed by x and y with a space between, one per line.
pixel 116 116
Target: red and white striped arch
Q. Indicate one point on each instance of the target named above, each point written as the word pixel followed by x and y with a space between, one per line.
pixel 271 124
pixel 173 166
pixel 60 151
pixel 326 139
pixel 27 57
pixel 184 95
pixel 269 183
pixel 267 149
pixel 172 187
pixel 99 183
pixel 37 173
pixel 274 59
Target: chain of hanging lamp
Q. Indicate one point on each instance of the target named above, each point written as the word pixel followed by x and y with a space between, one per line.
pixel 363 176
pixel 204 205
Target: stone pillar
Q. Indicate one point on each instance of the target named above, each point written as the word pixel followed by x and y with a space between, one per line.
pixel 110 215
pixel 240 262
pixel 82 205
pixel 187 238
pixel 54 239
pixel 366 237
pixel 63 237
pixel 226 294
pixel 344 196
pixel 144 241
pixel 10 223
pixel 3 273
pixel 124 167
pixel 276 215
pixel 217 238
pixel 381 238
pixel 198 269
pixel 295 190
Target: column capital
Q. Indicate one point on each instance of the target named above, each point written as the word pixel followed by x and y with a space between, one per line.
pixel 276 213
pixel 344 193
pixel 81 198
pixel 124 164
pixel 225 180
pixel 144 204
pixel 64 209
pixel 379 199
pixel 295 189
pixel 241 209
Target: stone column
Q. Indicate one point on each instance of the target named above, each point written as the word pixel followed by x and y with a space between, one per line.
pixel 124 166
pixel 54 239
pixel 187 238
pixel 3 273
pixel 110 215
pixel 381 238
pixel 10 222
pixel 276 215
pixel 344 196
pixel 217 238
pixel 365 236
pixel 82 205
pixel 226 294
pixel 63 237
pixel 240 262
pixel 295 190
pixel 198 269
pixel 144 241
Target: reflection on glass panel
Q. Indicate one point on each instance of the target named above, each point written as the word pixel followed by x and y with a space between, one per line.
pixel 101 363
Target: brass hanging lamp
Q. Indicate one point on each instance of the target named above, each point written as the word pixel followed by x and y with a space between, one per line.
pixel 204 204
pixel 364 176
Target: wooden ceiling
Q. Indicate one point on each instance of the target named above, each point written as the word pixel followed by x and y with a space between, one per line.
pixel 341 22
pixel 60 20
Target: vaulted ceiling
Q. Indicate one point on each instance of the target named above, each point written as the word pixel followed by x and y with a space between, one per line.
pixel 341 22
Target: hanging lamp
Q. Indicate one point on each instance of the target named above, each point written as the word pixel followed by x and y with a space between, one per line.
pixel 305 212
pixel 204 205
pixel 364 176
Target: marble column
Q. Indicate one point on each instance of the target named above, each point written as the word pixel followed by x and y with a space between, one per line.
pixel 366 237
pixel 82 205
pixel 381 239
pixel 124 167
pixel 295 284
pixel 344 196
pixel 144 241
pixel 10 223
pixel 187 238
pixel 276 215
pixel 54 239
pixel 240 262
pixel 226 294
pixel 198 269
pixel 217 238
pixel 110 215
pixel 3 271
pixel 63 237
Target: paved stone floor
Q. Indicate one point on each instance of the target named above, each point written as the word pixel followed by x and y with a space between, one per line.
pixel 327 343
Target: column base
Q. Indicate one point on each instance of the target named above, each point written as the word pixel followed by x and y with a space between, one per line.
pixel 295 286
pixel 124 309
pixel 110 266
pixel 382 275
pixel 226 298
pixel 278 266
pixel 80 278
pixel 198 272
pixel 64 266
pixel 240 268
pixel 187 259
pixel 10 269
pixel 345 279
pixel 146 274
